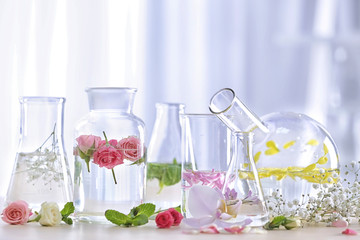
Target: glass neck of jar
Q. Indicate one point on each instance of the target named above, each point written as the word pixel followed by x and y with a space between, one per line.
pixel 116 99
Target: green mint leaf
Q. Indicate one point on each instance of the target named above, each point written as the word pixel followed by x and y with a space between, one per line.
pixel 140 219
pixel 118 218
pixel 67 210
pixel 172 175
pixel 68 221
pixel 147 209
pixel 275 223
pixel 168 174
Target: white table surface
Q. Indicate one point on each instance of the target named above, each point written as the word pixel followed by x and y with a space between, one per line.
pixel 34 231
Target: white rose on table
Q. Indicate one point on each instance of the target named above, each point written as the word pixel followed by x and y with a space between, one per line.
pixel 50 214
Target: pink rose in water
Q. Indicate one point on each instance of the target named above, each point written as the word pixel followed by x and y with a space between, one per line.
pixel 86 142
pixel 131 148
pixel 112 142
pixel 17 212
pixel 108 156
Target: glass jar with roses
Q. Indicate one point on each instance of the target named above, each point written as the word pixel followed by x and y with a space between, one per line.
pixel 109 155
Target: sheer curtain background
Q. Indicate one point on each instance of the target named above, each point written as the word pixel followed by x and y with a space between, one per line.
pixel 281 55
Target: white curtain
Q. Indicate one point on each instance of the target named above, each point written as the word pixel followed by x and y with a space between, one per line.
pixel 277 56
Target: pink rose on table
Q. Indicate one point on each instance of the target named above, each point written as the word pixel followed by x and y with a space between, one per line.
pixel 176 215
pixel 164 220
pixel 131 148
pixel 108 156
pixel 17 212
pixel 86 142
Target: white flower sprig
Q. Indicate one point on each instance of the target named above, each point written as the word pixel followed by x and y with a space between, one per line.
pixel 336 199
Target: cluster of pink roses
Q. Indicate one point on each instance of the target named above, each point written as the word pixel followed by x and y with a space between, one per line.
pixel 168 218
pixel 108 153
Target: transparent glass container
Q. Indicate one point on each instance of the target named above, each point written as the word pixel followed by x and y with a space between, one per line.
pixel 244 198
pixel 109 155
pixel 291 151
pixel 41 172
pixel 163 186
pixel 206 154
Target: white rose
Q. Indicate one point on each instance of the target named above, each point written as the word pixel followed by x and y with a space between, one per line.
pixel 50 214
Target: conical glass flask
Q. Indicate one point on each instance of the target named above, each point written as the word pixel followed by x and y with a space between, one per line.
pixel 41 172
pixel 291 151
pixel 242 191
pixel 163 186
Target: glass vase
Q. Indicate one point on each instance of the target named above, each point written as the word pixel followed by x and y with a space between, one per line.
pixel 163 162
pixel 109 155
pixel 41 172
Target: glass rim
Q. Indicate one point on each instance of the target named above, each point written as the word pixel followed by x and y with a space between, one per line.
pixel 89 89
pixel 215 95
pixel 24 99
pixel 170 105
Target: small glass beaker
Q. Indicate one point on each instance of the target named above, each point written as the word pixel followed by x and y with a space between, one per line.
pixel 163 186
pixel 206 154
pixel 41 172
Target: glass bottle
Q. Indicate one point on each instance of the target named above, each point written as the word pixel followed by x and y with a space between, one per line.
pixel 109 155
pixel 242 191
pixel 291 151
pixel 41 172
pixel 164 164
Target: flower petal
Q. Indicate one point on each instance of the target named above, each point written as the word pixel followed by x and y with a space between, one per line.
pixel 349 231
pixel 235 229
pixel 203 201
pixel 198 222
pixel 339 223
pixel 210 229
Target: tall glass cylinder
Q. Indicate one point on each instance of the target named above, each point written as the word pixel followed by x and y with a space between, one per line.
pixel 164 164
pixel 41 172
pixel 109 155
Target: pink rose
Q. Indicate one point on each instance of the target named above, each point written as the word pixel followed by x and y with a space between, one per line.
pixel 86 142
pixel 17 212
pixel 112 142
pixel 131 148
pixel 108 156
pixel 164 220
pixel 176 215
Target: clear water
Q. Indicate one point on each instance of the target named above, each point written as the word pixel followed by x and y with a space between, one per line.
pixel 39 177
pixel 167 197
pixel 96 192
